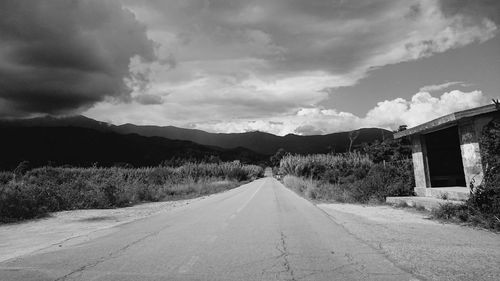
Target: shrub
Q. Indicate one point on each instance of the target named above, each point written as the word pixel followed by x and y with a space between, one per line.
pixel 20 202
pixel 384 180
pixel 6 177
pixel 302 186
pixel 350 177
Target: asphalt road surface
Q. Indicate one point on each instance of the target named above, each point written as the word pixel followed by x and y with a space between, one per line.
pixel 259 231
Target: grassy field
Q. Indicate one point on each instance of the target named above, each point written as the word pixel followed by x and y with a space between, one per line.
pixel 33 193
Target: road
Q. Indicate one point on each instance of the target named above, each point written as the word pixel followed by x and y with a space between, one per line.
pixel 259 231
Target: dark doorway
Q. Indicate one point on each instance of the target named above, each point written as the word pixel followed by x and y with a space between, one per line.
pixel 444 158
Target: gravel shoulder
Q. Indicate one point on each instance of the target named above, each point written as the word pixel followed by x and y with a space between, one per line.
pixel 67 228
pixel 430 249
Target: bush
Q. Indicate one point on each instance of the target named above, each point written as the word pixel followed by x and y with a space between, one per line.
pixel 20 202
pixel 350 177
pixel 302 186
pixel 50 189
pixel 6 177
pixel 466 214
pixel 384 180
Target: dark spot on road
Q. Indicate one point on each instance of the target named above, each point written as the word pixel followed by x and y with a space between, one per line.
pixel 98 218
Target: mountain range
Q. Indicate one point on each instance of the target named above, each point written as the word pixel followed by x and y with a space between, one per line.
pixel 261 142
pixel 80 140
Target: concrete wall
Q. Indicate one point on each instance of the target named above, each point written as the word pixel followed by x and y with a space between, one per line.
pixel 471 153
pixel 419 156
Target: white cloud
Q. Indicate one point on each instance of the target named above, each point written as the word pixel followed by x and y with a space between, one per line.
pixel 256 59
pixel 246 65
pixel 439 87
pixel 304 121
pixel 421 108
pixel 389 114
pixel 431 32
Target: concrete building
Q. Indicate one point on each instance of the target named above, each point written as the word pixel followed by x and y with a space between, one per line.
pixel 446 152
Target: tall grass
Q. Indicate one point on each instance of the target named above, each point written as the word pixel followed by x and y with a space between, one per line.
pixel 318 165
pixel 350 177
pixel 49 189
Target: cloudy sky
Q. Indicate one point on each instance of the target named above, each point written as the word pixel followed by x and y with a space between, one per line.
pixel 279 66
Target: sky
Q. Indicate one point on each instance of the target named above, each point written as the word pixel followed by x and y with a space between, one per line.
pixel 278 66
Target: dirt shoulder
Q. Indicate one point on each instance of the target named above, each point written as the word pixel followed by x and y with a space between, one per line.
pixel 428 248
pixel 72 227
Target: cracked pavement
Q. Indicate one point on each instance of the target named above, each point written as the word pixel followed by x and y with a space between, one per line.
pixel 259 231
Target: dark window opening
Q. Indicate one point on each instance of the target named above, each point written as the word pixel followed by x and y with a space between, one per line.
pixel 445 158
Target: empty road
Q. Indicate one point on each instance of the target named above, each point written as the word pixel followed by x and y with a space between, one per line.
pixel 259 231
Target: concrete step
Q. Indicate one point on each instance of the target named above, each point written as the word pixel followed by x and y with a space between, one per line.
pixel 446 193
pixel 428 203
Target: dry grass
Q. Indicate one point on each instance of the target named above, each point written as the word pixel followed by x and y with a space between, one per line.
pixel 50 189
pixel 349 177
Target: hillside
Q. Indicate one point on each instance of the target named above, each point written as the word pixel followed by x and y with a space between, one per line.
pixel 84 147
pixel 263 143
pixel 260 142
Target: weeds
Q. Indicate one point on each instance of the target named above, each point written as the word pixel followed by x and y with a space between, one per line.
pixel 402 204
pixel 50 189
pixel 350 177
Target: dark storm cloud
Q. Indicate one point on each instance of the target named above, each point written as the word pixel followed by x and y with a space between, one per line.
pixel 476 8
pixel 58 56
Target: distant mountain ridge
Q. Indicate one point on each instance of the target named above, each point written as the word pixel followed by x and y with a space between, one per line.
pixel 77 146
pixel 260 142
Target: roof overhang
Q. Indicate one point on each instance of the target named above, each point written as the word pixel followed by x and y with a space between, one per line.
pixel 446 121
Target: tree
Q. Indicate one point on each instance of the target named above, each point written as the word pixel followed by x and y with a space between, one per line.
pixel 353 135
pixel 276 158
pixel 21 169
pixel 389 149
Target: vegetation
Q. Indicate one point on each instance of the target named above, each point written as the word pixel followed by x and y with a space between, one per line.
pixel 483 207
pixel 27 193
pixel 389 149
pixel 349 177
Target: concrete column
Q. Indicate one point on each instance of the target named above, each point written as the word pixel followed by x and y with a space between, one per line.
pixel 420 167
pixel 471 153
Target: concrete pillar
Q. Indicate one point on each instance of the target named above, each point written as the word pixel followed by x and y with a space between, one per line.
pixel 471 153
pixel 420 167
